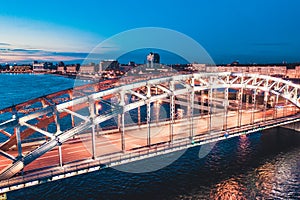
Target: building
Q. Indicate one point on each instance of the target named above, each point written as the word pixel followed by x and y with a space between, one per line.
pixel 152 58
pixel 156 58
pixel 21 68
pixel 74 68
pixel 108 65
pixel 196 67
pixel 39 67
pixel 271 70
pixel 60 69
pixel 87 69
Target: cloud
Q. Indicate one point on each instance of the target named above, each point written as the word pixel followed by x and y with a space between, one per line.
pixel 29 55
pixel 4 44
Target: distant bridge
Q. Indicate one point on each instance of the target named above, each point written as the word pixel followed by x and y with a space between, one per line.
pixel 67 133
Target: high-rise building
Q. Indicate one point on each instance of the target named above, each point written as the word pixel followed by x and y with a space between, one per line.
pixel 39 67
pixel 152 58
pixel 156 58
pixel 108 65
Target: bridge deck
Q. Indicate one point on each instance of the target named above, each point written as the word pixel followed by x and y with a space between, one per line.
pixel 77 152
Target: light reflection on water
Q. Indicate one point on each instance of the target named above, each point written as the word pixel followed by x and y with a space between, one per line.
pixel 228 189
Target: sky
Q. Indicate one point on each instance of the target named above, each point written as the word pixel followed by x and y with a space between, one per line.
pixel 256 31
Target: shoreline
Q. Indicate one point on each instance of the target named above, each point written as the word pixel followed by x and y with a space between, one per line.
pixel 70 76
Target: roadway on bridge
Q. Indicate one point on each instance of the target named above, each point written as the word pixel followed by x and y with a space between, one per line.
pixel 79 148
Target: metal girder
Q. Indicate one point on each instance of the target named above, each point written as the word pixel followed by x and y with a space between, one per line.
pixel 5 133
pixel 137 94
pixel 233 77
pixel 7 155
pixel 34 115
pixel 85 118
pixel 46 133
pixel 163 89
pixel 8 123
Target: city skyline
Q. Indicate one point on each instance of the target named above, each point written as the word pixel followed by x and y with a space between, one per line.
pixel 251 32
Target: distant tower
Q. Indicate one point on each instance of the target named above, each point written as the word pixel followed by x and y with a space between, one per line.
pixel 156 58
pixel 152 58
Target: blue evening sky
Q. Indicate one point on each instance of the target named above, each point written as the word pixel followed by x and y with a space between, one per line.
pixel 248 31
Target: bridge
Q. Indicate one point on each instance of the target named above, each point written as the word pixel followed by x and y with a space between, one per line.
pixel 106 124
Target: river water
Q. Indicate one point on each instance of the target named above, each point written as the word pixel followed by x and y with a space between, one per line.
pixel 263 165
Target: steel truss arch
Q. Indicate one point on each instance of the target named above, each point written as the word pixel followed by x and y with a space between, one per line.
pixel 189 83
